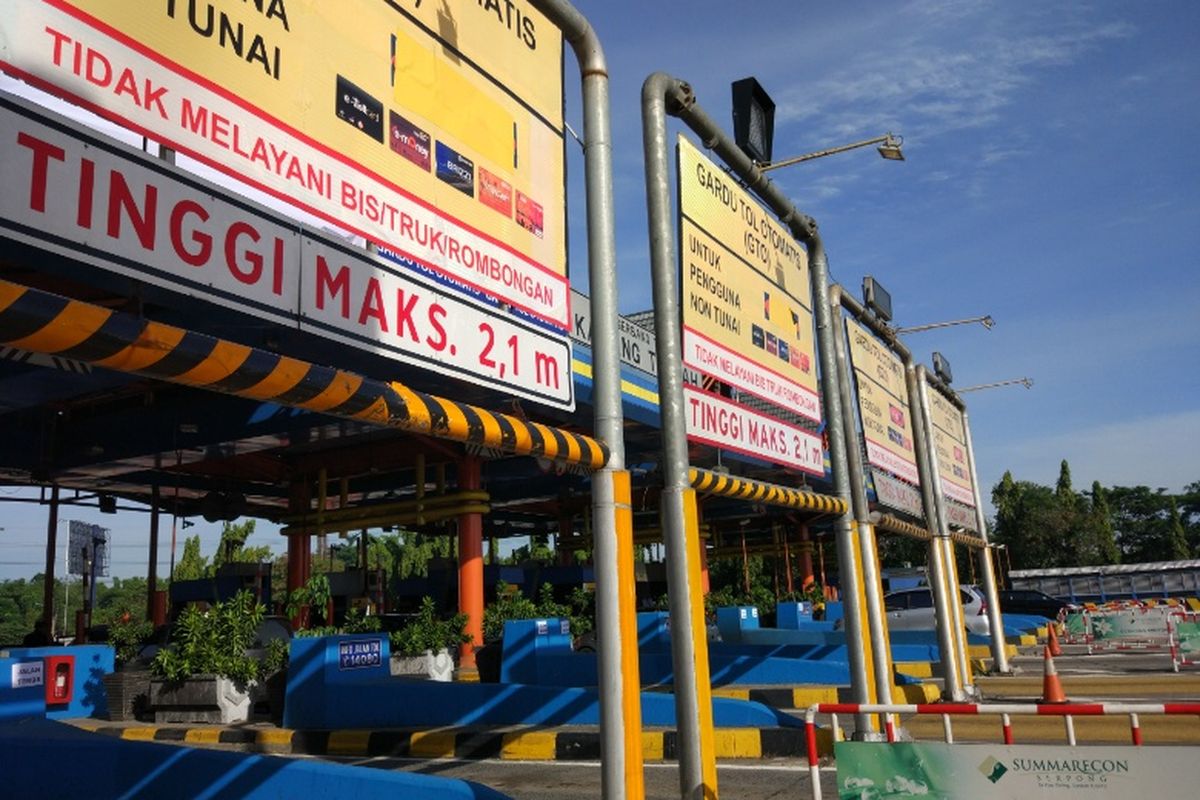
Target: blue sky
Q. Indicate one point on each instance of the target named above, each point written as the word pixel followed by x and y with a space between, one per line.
pixel 1051 181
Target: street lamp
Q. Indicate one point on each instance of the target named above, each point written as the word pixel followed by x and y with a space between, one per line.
pixel 985 321
pixel 754 126
pixel 889 148
pixel 1026 382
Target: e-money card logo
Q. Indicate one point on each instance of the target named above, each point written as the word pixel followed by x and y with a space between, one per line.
pixel 992 769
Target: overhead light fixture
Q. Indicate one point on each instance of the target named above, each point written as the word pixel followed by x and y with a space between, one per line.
pixel 890 149
pixel 941 368
pixel 107 503
pixel 876 298
pixel 753 120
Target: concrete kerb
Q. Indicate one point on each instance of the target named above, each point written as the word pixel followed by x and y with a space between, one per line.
pixel 515 744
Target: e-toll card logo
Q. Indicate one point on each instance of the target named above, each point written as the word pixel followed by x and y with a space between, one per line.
pixel 359 109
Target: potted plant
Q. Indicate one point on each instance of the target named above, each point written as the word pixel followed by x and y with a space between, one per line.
pixel 206 674
pixel 423 646
pixel 128 686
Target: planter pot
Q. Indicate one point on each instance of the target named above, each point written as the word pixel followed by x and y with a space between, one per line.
pixel 128 692
pixel 201 699
pixel 437 666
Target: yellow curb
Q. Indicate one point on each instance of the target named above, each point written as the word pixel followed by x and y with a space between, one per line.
pixel 529 746
pixel 348 743
pixel 803 698
pixel 139 734
pixel 915 669
pixel 1027 640
pixel 282 738
pixel 736 694
pixel 916 693
pixel 1043 632
pixel 737 743
pixel 431 744
pixel 203 736
pixel 652 746
pixel 87 725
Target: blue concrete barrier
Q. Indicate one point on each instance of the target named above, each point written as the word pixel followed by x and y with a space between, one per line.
pixel 525 639
pixel 22 689
pixel 49 759
pixel 538 652
pixel 343 682
pixel 91 663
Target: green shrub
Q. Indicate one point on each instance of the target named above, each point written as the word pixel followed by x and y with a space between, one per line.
pixel 428 632
pixel 213 642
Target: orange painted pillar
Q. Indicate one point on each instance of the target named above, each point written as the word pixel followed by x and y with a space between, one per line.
pixel 470 562
pixel 806 557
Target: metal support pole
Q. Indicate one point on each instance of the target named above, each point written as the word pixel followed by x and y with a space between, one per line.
pixel 152 565
pixel 612 519
pixel 935 518
pixel 48 579
pixel 880 653
pixel 694 762
pixel 995 619
pixel 662 91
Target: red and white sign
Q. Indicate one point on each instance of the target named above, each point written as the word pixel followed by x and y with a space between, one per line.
pixel 91 199
pixel 92 65
pixel 373 305
pixel 713 420
pixel 703 354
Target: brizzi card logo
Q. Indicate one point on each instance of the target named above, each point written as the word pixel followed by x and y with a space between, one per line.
pixel 409 141
pixel 456 169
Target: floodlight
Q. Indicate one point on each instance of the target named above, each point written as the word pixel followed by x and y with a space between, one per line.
pixel 753 119
pixel 941 368
pixel 876 298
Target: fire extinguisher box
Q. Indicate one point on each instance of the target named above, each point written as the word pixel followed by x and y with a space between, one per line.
pixel 59 680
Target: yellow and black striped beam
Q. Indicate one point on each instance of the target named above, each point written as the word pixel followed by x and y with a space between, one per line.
pixel 703 480
pixel 890 524
pixel 42 322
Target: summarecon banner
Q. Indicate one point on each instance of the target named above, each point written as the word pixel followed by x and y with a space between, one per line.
pixel 89 198
pixel 936 770
pixel 433 128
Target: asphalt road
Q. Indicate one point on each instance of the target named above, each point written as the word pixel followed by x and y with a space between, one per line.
pixel 569 780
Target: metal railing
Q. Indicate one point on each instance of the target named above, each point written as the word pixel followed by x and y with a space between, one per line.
pixel 1005 711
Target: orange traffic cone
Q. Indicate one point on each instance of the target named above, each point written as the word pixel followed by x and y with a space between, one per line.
pixel 1052 640
pixel 1052 690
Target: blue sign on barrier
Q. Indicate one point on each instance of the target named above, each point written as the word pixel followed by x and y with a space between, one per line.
pixel 360 654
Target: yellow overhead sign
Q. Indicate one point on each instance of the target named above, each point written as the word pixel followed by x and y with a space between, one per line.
pixel 950 449
pixel 882 403
pixel 747 311
pixel 433 128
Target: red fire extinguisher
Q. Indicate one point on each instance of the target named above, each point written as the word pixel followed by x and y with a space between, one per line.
pixel 60 679
pixel 60 682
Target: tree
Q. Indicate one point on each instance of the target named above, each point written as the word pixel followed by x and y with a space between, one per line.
pixel 232 547
pixel 1032 522
pixel 191 565
pixel 1177 544
pixel 1141 518
pixel 1102 527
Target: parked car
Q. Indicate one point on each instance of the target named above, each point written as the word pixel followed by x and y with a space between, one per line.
pixel 1031 601
pixel 912 609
